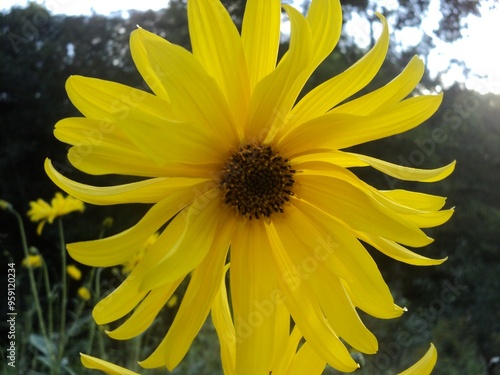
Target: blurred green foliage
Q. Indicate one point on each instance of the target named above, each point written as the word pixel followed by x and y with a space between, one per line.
pixel 455 305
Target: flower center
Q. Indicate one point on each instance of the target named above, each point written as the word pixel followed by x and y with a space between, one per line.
pixel 256 181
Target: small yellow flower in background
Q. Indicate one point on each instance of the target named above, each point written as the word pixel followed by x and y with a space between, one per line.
pixel 130 264
pixel 59 206
pixel 33 261
pixel 243 170
pixel 84 293
pixel 172 301
pixel 107 222
pixel 74 272
pixel 4 205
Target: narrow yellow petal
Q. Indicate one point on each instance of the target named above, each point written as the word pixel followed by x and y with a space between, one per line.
pixel 398 252
pixel 357 208
pixel 430 219
pixel 151 72
pixel 217 45
pixel 419 201
pixel 147 191
pixel 149 122
pixel 224 326
pixel 274 95
pixel 306 311
pixel 340 158
pixel 106 367
pixel 345 130
pixel 300 237
pixel 201 220
pixel 346 257
pixel 120 247
pixel 123 299
pixel 287 360
pixel 406 173
pixel 425 365
pixel 388 95
pixel 307 361
pixel 199 297
pixel 145 313
pixel 260 36
pixel 252 286
pixel 327 95
pixel 102 148
pixel 325 18
pixel 195 96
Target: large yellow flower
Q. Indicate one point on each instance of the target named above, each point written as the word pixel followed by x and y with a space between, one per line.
pixel 245 171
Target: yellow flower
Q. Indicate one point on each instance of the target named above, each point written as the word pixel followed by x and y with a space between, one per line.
pixel 243 170
pixel 33 261
pixel 4 205
pixel 74 272
pixel 172 301
pixel 84 293
pixel 129 265
pixel 59 206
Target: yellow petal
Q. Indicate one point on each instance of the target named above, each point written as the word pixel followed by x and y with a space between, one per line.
pixel 387 95
pixel 260 36
pixel 198 299
pixel 300 237
pixel 347 258
pixel 252 286
pixel 430 219
pixel 195 96
pixel 357 208
pixel 275 94
pixel 307 361
pixel 425 365
pixel 124 298
pixel 398 252
pixel 120 247
pixel 201 220
pixel 147 120
pixel 223 323
pixel 102 148
pixel 327 95
pixel 306 311
pixel 217 45
pixel 145 313
pixel 344 130
pixel 147 191
pixel 106 367
pixel 287 360
pixel 340 158
pixel 416 200
pixel 325 19
pixel 406 173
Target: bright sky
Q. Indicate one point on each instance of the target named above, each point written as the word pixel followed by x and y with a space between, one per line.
pixel 476 49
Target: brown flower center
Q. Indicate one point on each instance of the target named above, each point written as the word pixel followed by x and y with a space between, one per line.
pixel 256 181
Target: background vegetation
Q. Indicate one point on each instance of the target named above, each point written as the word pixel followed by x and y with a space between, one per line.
pixel 456 305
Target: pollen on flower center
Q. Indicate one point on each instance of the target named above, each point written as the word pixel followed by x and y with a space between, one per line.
pixel 256 181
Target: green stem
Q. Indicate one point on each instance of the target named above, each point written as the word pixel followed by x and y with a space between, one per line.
pixel 64 301
pixel 33 287
pixel 49 297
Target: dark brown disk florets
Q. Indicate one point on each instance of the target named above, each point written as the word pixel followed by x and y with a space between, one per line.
pixel 256 181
